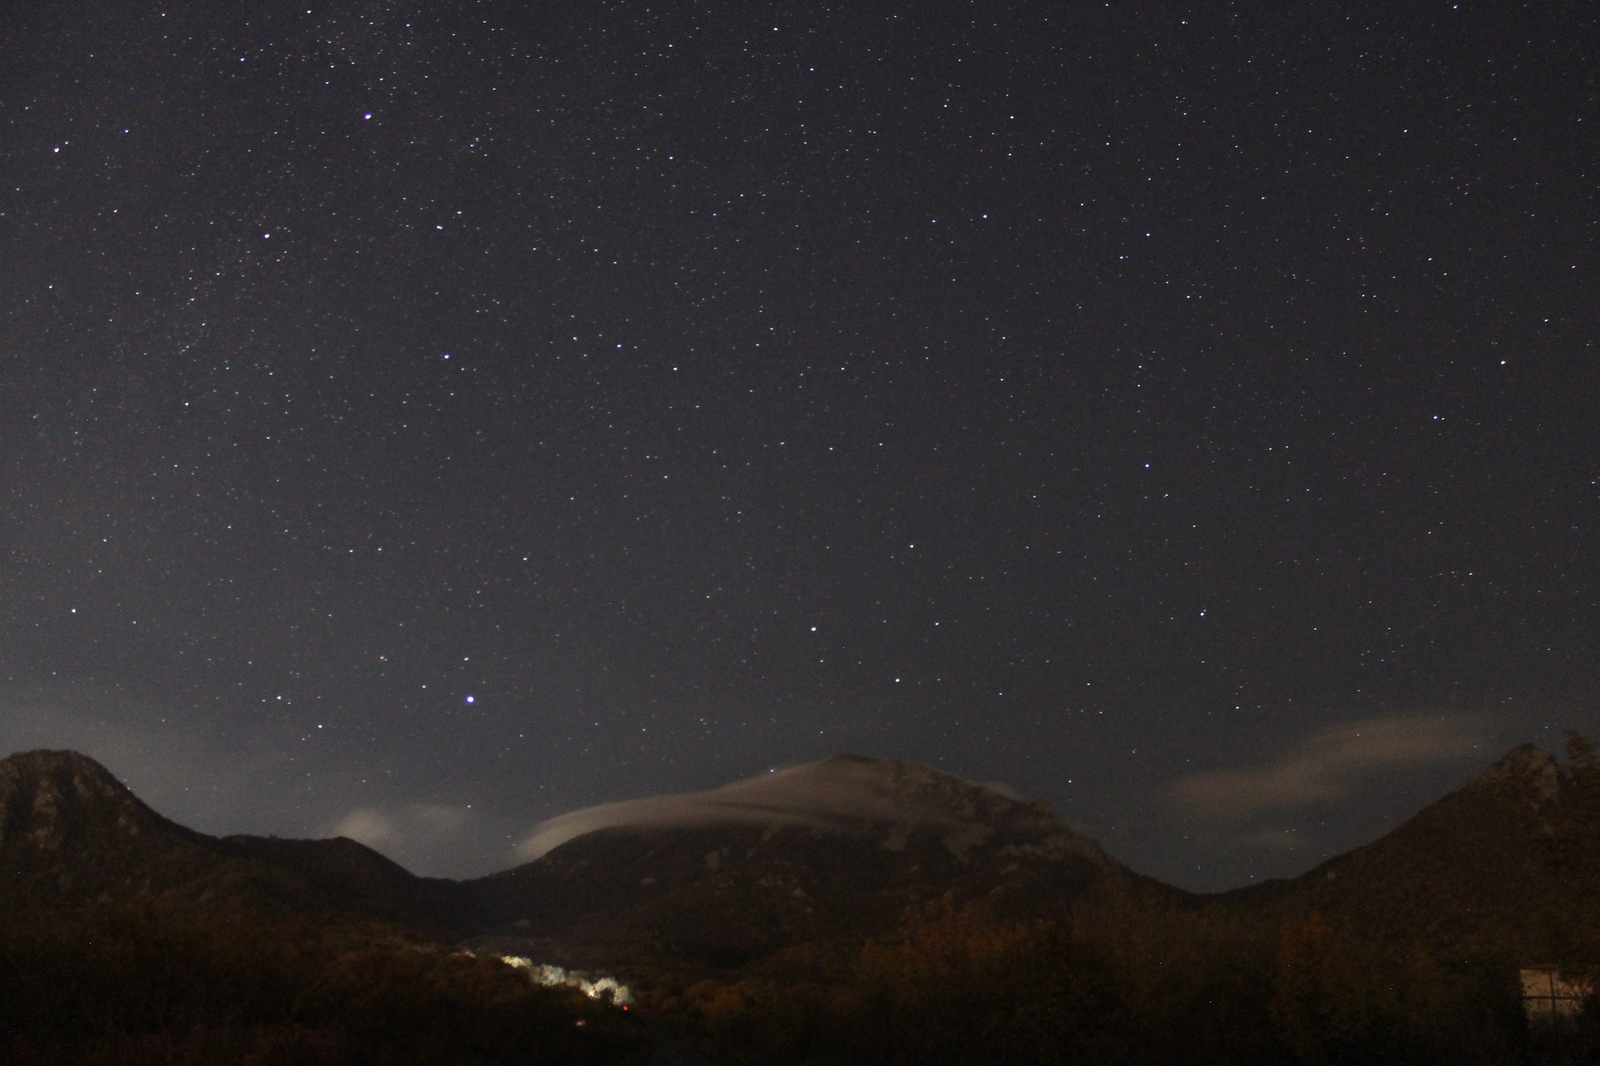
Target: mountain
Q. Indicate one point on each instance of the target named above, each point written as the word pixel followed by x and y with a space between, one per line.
pixel 67 825
pixel 1508 865
pixel 70 831
pixel 829 852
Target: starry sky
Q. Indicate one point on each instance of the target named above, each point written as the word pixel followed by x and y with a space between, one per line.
pixel 419 420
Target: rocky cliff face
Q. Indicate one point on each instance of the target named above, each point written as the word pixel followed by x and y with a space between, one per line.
pixel 1528 768
pixel 52 801
pixel 67 823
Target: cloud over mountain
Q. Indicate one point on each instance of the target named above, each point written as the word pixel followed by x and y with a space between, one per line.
pixel 842 789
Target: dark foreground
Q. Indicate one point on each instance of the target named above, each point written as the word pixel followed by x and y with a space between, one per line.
pixel 131 985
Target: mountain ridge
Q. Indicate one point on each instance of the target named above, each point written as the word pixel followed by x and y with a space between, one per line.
pixel 853 930
pixel 837 848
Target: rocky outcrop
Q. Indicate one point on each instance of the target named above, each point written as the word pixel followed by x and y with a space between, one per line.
pixel 55 801
pixel 1527 766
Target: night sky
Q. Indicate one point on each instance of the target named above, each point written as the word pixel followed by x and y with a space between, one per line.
pixel 419 420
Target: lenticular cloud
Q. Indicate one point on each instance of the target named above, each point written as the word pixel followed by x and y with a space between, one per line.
pixel 842 789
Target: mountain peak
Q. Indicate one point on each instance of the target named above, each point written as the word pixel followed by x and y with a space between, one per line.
pixel 878 789
pixel 49 761
pixel 52 799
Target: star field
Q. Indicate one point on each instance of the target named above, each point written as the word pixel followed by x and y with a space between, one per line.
pixel 456 414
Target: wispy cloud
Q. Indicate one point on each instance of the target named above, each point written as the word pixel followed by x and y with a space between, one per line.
pixel 402 828
pixel 1327 767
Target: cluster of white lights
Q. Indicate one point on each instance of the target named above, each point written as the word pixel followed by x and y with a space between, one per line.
pixel 608 989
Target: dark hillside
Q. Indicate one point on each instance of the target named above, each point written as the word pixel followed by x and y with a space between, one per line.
pixel 357 878
pixel 727 895
pixel 1507 866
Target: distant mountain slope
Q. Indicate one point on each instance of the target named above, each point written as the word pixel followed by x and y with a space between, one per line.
pixel 1508 865
pixel 357 879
